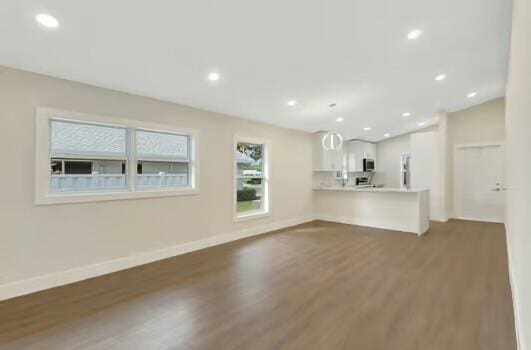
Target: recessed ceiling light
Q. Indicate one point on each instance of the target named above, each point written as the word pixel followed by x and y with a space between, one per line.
pixel 422 123
pixel 406 114
pixel 440 77
pixel 47 20
pixel 292 103
pixel 387 134
pixel 414 34
pixel 213 76
pixel 368 128
pixel 472 94
pixel 339 119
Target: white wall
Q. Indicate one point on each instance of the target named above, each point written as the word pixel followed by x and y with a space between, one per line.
pixel 390 153
pixel 480 123
pixel 389 158
pixel 518 146
pixel 42 240
pixel 425 167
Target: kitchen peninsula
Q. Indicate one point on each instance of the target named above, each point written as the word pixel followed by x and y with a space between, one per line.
pixel 344 191
pixel 388 208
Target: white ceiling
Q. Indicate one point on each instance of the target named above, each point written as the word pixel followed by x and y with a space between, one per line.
pixel 350 52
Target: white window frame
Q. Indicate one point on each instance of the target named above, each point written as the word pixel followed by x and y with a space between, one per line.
pixel 43 194
pixel 266 205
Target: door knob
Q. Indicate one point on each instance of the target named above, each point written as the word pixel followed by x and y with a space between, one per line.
pixel 497 189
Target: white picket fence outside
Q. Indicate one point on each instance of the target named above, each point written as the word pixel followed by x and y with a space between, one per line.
pixel 161 180
pixel 65 183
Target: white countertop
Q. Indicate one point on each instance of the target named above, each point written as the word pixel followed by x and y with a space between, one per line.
pixel 368 189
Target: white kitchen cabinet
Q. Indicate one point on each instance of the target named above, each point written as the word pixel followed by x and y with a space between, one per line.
pixel 369 150
pixel 355 152
pixel 358 150
pixel 326 160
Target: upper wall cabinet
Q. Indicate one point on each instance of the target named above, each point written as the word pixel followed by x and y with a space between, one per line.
pixel 369 150
pixel 357 151
pixel 323 159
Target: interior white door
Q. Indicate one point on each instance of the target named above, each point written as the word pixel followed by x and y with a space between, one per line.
pixel 478 183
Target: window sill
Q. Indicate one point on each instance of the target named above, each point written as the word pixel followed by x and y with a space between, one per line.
pixel 251 216
pixel 110 196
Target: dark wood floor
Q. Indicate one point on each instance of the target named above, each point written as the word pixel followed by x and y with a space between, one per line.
pixel 316 286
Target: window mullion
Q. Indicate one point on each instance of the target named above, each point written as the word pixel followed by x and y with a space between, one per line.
pixel 164 160
pixel 113 157
pixel 132 169
pixel 86 157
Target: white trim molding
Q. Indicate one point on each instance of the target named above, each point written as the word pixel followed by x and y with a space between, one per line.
pixel 371 223
pixel 43 193
pixel 479 144
pixel 23 287
pixel 266 171
pixel 515 292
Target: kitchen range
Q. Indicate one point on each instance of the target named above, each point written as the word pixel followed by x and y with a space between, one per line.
pixel 343 177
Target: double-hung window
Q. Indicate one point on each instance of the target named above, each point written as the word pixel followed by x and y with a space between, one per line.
pixel 163 159
pixel 251 183
pixel 85 158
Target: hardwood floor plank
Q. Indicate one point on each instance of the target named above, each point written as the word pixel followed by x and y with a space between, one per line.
pixel 315 286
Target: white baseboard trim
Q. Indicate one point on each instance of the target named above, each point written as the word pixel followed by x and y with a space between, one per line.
pixel 31 285
pixel 471 218
pixel 514 293
pixel 439 218
pixel 366 223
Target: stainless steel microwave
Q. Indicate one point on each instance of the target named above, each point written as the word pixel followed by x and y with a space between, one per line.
pixel 368 164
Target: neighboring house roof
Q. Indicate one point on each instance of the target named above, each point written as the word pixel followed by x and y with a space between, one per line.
pixel 90 139
pixel 162 145
pixel 79 138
